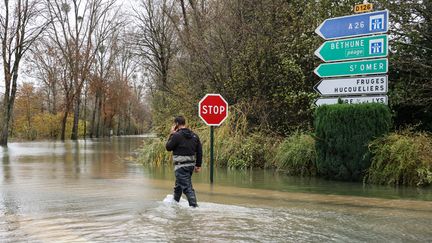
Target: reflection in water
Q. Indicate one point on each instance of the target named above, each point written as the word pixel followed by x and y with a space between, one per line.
pixel 6 173
pixel 272 180
pixel 85 192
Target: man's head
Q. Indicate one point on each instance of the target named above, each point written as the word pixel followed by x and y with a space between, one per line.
pixel 180 121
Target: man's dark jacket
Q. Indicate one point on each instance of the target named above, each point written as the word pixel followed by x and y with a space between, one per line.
pixel 185 143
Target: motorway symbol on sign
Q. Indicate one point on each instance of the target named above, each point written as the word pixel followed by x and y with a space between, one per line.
pixel 354 25
pixel 361 8
pixel 353 68
pixel 353 86
pixel 213 109
pixel 354 48
pixel 353 100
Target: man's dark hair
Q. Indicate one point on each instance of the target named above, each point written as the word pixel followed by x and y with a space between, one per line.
pixel 180 120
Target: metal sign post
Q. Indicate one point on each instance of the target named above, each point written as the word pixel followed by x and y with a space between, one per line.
pixel 211 153
pixel 213 110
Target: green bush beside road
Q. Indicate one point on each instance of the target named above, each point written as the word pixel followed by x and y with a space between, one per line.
pixel 343 133
pixel 153 152
pixel 296 155
pixel 401 158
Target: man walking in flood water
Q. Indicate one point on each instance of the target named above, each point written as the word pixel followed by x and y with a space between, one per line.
pixel 187 156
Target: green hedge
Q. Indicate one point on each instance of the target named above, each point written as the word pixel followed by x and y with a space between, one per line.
pixel 343 133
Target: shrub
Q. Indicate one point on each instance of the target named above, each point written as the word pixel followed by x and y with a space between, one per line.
pixel 343 133
pixel 44 125
pixel 234 146
pixel 153 152
pixel 253 151
pixel 48 125
pixel 402 158
pixel 296 155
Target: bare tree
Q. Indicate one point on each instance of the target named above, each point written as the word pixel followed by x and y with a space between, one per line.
pixel 79 29
pixel 126 68
pixel 45 64
pixel 20 25
pixel 102 73
pixel 155 37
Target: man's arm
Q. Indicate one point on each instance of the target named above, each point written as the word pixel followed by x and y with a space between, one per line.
pixel 198 153
pixel 172 142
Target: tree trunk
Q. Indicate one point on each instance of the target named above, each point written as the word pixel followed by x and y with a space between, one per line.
pixel 4 125
pixel 98 118
pixel 74 135
pixel 129 119
pixel 64 121
pixel 49 101
pixel 85 113
pixel 93 120
pixel 54 102
pixel 118 125
pixel 8 104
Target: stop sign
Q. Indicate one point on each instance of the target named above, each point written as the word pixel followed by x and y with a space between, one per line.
pixel 213 109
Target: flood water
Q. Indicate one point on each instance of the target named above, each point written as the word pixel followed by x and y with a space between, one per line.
pixel 95 191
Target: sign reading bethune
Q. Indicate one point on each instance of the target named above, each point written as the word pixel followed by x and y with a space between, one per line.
pixel 361 8
pixel 353 100
pixel 353 68
pixel 354 48
pixel 353 86
pixel 354 25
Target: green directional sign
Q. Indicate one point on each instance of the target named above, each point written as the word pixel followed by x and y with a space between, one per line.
pixel 337 69
pixel 354 48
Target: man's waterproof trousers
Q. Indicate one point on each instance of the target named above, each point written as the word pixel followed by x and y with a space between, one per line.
pixel 183 184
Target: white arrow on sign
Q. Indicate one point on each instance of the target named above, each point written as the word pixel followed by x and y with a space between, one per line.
pixel 353 86
pixel 353 100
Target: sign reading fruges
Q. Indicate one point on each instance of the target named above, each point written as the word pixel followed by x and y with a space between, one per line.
pixel 353 86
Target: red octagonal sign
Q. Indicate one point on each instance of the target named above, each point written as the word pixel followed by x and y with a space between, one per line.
pixel 213 109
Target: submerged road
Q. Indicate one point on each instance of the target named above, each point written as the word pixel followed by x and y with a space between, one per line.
pixel 94 191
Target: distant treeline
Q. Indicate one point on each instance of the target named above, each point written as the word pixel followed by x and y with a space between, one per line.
pixel 101 63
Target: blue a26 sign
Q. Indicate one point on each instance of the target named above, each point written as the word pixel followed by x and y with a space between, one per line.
pixel 354 25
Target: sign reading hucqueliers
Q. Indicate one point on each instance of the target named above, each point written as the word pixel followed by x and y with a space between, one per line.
pixel 353 86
